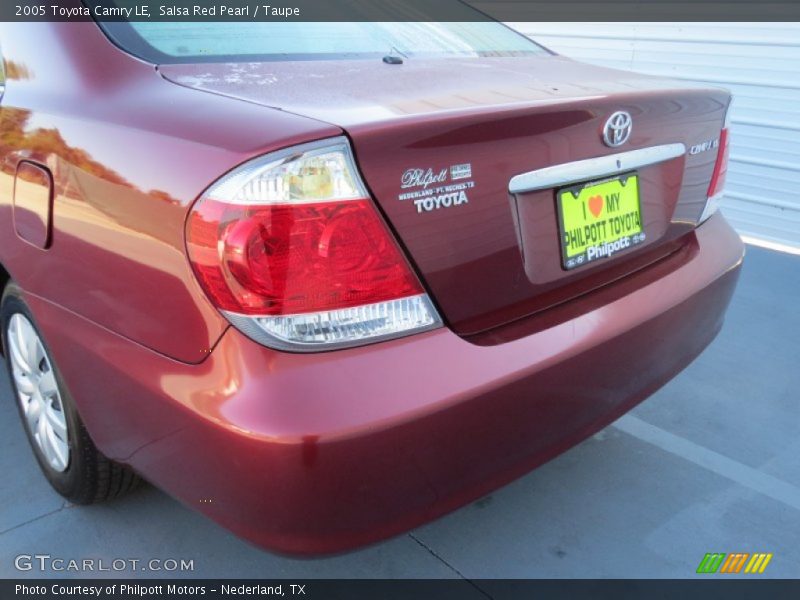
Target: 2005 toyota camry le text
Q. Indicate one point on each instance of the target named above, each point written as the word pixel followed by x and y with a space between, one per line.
pixel 324 282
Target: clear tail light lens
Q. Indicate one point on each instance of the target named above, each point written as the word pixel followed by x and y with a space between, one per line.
pixel 291 248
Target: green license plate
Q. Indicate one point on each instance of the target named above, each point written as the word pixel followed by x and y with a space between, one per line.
pixel 599 219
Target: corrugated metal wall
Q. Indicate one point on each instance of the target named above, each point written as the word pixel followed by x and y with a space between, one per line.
pixel 758 62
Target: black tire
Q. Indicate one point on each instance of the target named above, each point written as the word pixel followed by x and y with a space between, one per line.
pixel 89 477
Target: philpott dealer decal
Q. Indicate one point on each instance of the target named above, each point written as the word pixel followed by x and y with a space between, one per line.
pixel 431 190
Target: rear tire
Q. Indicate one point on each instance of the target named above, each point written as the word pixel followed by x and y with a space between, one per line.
pixel 66 454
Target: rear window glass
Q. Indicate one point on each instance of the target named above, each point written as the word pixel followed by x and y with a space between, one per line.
pixel 169 42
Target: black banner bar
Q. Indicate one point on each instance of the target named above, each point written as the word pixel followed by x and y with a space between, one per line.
pixel 399 10
pixel 710 588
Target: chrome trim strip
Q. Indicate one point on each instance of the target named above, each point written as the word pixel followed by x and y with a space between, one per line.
pixel 593 168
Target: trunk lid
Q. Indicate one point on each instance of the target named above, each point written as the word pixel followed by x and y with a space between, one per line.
pixel 439 140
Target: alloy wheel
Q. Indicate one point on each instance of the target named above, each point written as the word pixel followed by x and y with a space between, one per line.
pixel 38 393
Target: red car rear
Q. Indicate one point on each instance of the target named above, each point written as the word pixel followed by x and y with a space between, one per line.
pixel 326 282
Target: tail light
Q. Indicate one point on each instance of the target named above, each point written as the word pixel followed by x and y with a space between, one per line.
pixel 292 250
pixel 717 184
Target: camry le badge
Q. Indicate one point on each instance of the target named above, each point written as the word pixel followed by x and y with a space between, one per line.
pixel 617 129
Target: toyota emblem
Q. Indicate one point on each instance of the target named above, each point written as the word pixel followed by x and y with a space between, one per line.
pixel 618 129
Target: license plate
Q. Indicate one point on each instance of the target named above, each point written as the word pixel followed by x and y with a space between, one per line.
pixel 599 219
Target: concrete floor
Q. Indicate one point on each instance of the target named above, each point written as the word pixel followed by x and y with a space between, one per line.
pixel 711 463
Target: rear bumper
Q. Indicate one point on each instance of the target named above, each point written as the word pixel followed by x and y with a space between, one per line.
pixel 320 453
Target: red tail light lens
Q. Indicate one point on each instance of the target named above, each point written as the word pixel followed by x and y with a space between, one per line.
pixel 721 167
pixel 291 248
pixel 291 259
pixel 717 177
